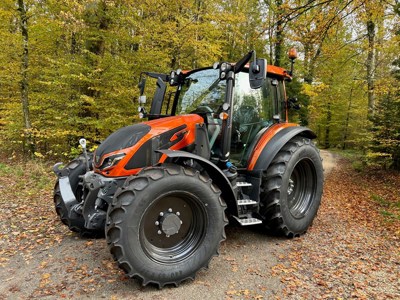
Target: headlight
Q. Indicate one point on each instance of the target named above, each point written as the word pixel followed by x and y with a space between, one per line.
pixel 111 161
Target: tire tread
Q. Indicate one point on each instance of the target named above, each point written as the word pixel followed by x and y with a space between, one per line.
pixel 115 230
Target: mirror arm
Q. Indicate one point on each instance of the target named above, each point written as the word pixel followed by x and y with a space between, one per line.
pixel 241 63
pixel 255 68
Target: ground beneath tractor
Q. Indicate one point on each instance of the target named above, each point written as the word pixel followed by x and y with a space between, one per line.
pixel 351 251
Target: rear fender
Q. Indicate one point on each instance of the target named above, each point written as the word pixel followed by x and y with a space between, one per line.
pixel 272 146
pixel 215 174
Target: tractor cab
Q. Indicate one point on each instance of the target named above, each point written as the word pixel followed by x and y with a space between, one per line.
pixel 251 109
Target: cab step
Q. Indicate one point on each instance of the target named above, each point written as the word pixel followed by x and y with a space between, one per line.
pixel 246 202
pixel 243 184
pixel 248 221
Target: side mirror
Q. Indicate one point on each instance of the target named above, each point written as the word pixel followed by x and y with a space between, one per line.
pixel 257 73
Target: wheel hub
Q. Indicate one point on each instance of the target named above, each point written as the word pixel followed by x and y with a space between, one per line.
pixel 290 187
pixel 169 223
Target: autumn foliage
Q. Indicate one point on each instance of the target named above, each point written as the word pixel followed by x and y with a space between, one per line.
pixel 70 69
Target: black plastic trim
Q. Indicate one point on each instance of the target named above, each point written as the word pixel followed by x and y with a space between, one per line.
pixel 147 155
pixel 277 142
pixel 215 174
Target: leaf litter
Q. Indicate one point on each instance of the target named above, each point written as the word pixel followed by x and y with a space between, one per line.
pixel 351 251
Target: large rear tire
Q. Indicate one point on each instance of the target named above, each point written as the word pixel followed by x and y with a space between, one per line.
pixel 292 188
pixel 165 224
pixel 76 168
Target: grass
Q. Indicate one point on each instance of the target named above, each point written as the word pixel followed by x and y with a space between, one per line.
pixel 349 154
pixel 33 175
pixel 380 200
pixel 4 169
pixel 390 216
pixel 357 158
pixel 390 210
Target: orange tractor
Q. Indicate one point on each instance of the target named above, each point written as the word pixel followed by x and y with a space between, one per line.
pixel 217 147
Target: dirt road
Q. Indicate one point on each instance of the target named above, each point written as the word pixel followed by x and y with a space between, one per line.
pixel 45 260
pixel 329 161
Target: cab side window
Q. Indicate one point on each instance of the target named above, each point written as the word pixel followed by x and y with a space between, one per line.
pixel 252 111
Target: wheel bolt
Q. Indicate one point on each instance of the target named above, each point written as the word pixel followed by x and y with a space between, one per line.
pixel 157 223
pixel 161 214
pixel 159 232
pixel 181 222
pixel 170 210
pixel 178 213
pixel 167 236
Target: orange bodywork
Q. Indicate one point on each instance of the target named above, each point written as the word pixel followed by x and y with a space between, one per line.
pixel 158 127
pixel 278 71
pixel 273 70
pixel 264 141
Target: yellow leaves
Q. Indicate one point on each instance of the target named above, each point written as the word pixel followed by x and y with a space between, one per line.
pixel 39 155
pixel 87 99
pixel 93 148
pixel 244 294
pixel 3 261
pixel 385 86
pixel 238 292
pixel 45 280
pixel 313 90
pixel 233 263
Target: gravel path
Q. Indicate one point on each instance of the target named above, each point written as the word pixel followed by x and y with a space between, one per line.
pixel 45 260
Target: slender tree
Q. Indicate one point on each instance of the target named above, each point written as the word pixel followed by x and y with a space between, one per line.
pixel 24 76
pixel 371 64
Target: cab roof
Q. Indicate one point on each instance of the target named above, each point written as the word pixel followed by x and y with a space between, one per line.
pixel 271 70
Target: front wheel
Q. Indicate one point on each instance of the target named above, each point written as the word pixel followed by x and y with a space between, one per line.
pixel 292 188
pixel 165 224
pixel 76 169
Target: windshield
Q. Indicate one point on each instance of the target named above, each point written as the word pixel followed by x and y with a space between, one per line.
pixel 202 90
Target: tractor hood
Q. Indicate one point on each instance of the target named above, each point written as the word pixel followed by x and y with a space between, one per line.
pixel 126 151
pixel 121 139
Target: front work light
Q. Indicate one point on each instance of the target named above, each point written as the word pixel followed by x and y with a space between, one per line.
pixel 111 161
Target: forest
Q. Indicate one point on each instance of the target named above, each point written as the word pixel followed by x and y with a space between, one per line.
pixel 69 69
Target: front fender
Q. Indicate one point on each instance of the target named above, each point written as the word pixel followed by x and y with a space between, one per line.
pixel 215 174
pixel 269 147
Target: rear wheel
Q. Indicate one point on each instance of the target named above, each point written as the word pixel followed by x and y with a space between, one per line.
pixel 292 188
pixel 166 224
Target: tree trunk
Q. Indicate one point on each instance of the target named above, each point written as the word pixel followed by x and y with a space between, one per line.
pixel 346 126
pixel 306 62
pixel 328 125
pixel 24 79
pixel 371 67
pixel 279 34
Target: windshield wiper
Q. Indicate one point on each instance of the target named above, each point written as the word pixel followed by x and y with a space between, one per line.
pixel 214 85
